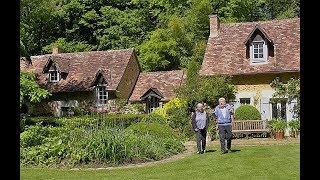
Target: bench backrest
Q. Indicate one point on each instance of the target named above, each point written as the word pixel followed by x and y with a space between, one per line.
pixel 249 124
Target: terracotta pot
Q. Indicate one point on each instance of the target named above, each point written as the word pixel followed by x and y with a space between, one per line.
pixel 279 134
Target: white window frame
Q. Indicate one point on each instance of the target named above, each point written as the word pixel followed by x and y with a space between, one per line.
pixel 102 98
pixel 265 53
pixel 50 76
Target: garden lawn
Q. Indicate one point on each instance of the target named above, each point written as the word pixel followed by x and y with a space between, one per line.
pixel 248 162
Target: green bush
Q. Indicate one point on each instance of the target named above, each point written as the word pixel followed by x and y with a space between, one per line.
pixel 44 120
pixel 95 144
pixel 152 117
pixel 278 124
pixel 188 131
pixel 152 128
pixel 133 109
pixel 23 119
pixel 247 112
pixel 110 120
pixel 33 135
pixel 294 125
pixel 175 112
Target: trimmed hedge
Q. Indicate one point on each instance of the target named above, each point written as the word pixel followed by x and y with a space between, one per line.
pixel 247 112
pixel 44 120
pixel 110 120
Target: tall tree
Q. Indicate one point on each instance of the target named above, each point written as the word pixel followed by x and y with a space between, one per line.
pixel 38 24
pixel 282 8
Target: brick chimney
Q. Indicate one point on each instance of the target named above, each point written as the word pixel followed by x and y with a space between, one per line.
pixel 56 50
pixel 214 25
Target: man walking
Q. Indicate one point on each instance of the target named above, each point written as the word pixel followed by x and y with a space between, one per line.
pixel 223 113
pixel 200 122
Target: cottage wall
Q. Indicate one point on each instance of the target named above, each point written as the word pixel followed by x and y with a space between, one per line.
pixel 257 88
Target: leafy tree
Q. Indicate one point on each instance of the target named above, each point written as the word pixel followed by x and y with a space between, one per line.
pixel 38 24
pixel 166 47
pixel 282 8
pixel 290 90
pixel 242 11
pixel 181 27
pixel 72 46
pixel 205 89
pixel 183 39
pixel 30 90
pixel 23 52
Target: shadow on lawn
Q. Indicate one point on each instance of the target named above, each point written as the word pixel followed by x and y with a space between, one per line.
pixel 211 150
pixel 235 150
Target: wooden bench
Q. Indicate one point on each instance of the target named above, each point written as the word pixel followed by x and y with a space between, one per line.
pixel 250 126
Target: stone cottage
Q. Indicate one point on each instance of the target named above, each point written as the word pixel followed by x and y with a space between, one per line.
pixel 85 77
pixel 255 54
pixel 98 78
pixel 155 88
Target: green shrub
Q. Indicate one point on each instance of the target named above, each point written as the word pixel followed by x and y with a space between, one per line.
pixel 110 120
pixel 152 128
pixel 23 119
pixel 188 131
pixel 278 124
pixel 33 135
pixel 96 144
pixel 294 125
pixel 133 109
pixel 44 120
pixel 175 112
pixel 247 112
pixel 152 117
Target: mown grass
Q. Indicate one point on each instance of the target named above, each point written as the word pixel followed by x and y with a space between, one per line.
pixel 250 162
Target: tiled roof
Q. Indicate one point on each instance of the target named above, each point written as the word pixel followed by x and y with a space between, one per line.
pixel 82 68
pixel 164 81
pixel 226 53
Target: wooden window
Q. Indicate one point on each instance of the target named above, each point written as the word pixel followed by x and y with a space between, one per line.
pixel 102 95
pixel 54 76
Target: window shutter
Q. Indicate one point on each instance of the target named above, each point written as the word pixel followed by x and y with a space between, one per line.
pixel 251 52
pixel 265 51
pixel 265 108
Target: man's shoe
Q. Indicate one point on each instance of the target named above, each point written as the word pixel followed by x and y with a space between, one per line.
pixel 224 152
pixel 229 150
pixel 204 151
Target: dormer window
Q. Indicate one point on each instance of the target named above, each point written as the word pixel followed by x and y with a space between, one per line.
pixel 258 50
pixel 54 76
pixel 259 46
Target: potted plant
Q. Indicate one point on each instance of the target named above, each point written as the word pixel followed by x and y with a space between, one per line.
pixel 294 126
pixel 278 126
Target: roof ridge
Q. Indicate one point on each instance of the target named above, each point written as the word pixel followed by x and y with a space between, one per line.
pixel 250 22
pixel 84 52
pixel 162 71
